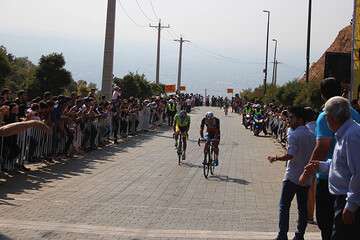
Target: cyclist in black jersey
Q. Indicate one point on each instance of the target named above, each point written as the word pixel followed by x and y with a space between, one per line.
pixel 213 133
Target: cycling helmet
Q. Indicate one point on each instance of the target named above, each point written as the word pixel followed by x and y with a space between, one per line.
pixel 209 115
pixel 182 114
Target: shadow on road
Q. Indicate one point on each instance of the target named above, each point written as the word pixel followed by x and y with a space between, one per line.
pixel 171 137
pixel 18 183
pixel 191 165
pixel 3 237
pixel 220 178
pixel 264 136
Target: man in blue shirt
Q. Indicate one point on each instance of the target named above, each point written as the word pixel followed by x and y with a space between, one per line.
pixel 325 142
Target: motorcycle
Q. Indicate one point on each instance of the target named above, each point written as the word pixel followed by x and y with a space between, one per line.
pixel 247 120
pixel 259 125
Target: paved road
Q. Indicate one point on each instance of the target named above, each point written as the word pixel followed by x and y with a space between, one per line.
pixel 136 190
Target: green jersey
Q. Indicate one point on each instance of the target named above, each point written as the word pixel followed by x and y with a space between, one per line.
pixel 181 123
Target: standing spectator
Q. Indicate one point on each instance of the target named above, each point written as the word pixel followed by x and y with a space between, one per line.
pixel 21 101
pixel 116 94
pixel 115 119
pixel 344 174
pixel 171 111
pixel 92 93
pixel 5 96
pixel 11 152
pixel 325 142
pixel 355 105
pixel 300 146
pixel 47 96
pixel 310 118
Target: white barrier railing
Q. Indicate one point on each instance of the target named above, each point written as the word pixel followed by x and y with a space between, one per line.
pixel 34 144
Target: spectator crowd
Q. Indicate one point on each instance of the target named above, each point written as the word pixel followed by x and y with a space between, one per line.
pixel 76 124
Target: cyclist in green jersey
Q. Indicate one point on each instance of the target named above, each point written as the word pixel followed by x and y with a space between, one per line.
pixel 181 125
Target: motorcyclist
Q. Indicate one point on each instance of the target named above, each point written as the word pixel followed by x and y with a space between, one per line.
pixel 247 111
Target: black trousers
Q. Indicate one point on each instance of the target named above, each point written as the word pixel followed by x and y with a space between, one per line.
pixel 171 115
pixel 324 209
pixel 342 231
pixel 116 125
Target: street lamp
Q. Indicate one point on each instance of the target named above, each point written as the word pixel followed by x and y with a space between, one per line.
pixel 308 43
pixel 267 49
pixel 273 82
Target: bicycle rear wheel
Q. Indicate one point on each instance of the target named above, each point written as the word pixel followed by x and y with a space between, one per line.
pixel 206 166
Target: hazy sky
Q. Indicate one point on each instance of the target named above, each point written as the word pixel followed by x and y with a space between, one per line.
pixel 232 28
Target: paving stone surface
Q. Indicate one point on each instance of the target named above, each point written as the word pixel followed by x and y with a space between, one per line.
pixel 136 190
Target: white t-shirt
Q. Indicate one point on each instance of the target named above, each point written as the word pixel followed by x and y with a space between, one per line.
pixel 116 95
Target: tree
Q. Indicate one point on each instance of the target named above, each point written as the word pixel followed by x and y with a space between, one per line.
pixel 287 93
pixel 52 75
pixel 84 88
pixel 136 85
pixel 292 93
pixel 22 75
pixel 5 67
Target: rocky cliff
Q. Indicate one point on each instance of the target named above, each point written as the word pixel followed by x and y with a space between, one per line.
pixel 342 43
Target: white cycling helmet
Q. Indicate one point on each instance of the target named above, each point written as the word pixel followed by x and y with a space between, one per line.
pixel 209 115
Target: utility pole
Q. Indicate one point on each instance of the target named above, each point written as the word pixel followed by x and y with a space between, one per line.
pixel 275 72
pixel 308 43
pixel 276 63
pixel 181 41
pixel 273 82
pixel 108 65
pixel 267 50
pixel 159 28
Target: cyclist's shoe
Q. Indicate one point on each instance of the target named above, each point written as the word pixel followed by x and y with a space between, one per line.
pixel 204 162
pixel 216 163
pixel 183 156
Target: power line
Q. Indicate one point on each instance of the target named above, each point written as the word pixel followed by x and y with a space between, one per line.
pixel 127 14
pixel 171 33
pixel 153 9
pixel 223 57
pixel 143 12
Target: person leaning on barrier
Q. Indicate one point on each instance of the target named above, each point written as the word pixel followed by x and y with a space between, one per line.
pixel 19 127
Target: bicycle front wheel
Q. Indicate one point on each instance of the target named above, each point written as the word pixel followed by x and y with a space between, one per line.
pixel 206 166
pixel 211 165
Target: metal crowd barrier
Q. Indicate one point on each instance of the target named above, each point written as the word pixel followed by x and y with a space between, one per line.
pixel 35 145
pixel 280 127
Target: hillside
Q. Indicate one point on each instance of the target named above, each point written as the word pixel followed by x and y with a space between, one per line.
pixel 342 43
